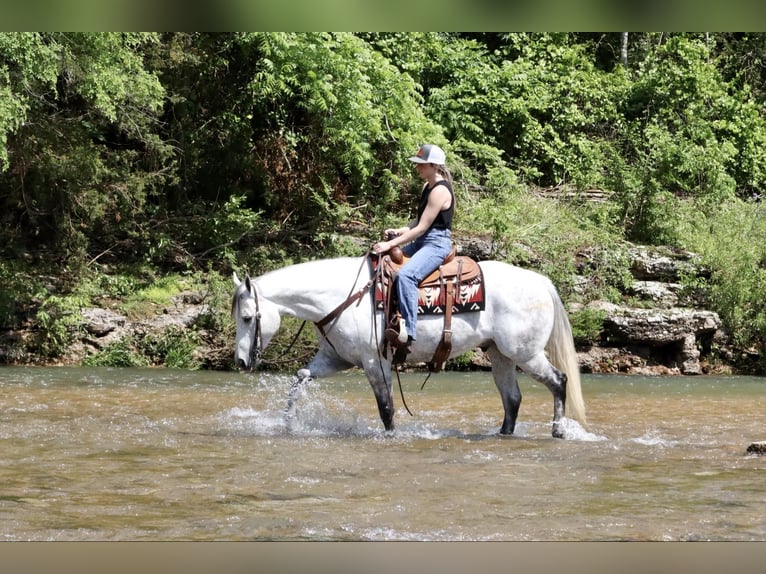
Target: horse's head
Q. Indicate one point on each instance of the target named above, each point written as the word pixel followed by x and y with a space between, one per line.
pixel 257 321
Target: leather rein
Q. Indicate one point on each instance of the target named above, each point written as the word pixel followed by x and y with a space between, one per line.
pixel 356 297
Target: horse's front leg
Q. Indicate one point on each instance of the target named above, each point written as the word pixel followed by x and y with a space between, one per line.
pixel 300 378
pixel 326 362
pixel 379 375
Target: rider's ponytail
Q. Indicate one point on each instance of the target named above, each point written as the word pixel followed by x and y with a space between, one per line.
pixel 444 171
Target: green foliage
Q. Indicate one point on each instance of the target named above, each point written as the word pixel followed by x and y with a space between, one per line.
pixel 547 235
pixel 107 70
pixel 731 243
pixel 339 119
pixel 688 135
pixel 215 326
pixel 174 348
pixel 13 294
pixel 25 60
pixel 117 354
pixel 145 299
pixel 548 108
pixel 462 362
pixel 86 153
pixel 605 272
pixel 587 326
pixel 179 152
pixel 58 318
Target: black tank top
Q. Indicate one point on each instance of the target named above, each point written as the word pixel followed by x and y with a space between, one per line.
pixel 443 219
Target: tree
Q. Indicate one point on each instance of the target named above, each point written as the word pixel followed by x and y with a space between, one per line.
pixel 81 151
pixel 689 134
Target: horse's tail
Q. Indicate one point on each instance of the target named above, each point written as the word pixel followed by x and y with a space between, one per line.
pixel 562 354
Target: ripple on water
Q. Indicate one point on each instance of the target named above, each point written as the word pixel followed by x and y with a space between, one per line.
pixel 653 439
pixel 126 455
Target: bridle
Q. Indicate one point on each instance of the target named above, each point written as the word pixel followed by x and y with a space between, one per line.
pixel 256 347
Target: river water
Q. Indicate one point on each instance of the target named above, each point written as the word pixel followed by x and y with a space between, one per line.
pixel 126 454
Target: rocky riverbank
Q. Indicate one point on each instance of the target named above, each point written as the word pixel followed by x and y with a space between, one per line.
pixel 668 331
pixel 664 329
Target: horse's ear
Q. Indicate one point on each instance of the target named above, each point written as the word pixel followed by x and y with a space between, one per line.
pixel 248 282
pixel 235 279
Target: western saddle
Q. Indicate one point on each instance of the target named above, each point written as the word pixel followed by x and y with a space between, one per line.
pixel 455 270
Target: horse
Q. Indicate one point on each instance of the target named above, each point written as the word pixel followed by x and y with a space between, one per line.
pixel 523 323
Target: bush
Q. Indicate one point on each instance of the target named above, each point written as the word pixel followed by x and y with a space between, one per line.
pixel 587 326
pixel 118 354
pixel 174 348
pixel 731 243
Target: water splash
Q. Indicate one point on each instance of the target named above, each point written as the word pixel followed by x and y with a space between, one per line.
pixel 315 414
pixel 249 421
pixel 573 430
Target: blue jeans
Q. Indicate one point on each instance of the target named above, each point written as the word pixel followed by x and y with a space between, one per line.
pixel 426 253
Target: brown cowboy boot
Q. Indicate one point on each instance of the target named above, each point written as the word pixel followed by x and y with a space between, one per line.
pixel 396 332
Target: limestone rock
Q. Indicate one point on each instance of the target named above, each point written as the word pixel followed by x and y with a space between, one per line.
pixel 101 322
pixel 663 264
pixel 659 327
pixel 670 337
pixel 659 293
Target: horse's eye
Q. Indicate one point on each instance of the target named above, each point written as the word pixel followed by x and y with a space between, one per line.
pixel 247 319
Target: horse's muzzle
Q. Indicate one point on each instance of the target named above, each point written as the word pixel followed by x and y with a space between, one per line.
pixel 242 366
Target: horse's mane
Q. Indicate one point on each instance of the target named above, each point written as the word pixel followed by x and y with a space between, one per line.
pixel 334 272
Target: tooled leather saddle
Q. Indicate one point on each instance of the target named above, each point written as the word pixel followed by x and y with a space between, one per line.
pixel 457 286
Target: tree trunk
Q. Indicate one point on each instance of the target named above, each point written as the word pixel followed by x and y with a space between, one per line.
pixel 624 48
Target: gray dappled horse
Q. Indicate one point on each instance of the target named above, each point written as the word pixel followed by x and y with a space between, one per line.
pixel 523 324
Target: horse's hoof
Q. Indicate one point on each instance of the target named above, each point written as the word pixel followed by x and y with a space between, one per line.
pixel 558 431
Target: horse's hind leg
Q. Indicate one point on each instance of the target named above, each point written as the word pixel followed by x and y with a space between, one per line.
pixel 504 373
pixel 540 369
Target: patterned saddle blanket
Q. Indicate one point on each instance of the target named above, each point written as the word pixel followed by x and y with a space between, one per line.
pixel 462 272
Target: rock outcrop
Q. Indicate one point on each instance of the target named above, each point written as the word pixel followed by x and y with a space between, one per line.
pixel 669 333
pixel 105 326
pixel 666 330
pixel 102 327
pixel 652 340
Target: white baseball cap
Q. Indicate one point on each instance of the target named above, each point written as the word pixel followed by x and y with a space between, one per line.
pixel 429 153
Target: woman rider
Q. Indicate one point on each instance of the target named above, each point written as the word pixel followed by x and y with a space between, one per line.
pixel 426 241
